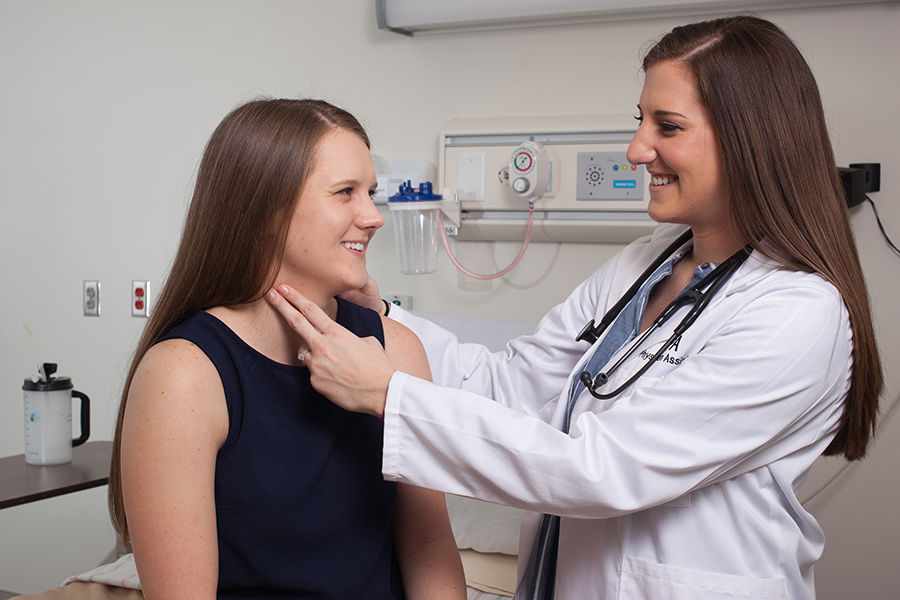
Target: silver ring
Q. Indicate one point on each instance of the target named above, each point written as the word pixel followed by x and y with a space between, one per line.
pixel 302 357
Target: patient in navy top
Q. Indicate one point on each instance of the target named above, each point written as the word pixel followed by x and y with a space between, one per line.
pixel 226 485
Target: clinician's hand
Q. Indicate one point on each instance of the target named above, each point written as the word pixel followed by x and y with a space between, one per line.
pixel 352 372
pixel 367 296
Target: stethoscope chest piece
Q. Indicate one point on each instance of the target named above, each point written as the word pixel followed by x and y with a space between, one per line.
pixel 589 333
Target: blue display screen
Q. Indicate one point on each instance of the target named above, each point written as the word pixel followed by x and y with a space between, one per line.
pixel 624 183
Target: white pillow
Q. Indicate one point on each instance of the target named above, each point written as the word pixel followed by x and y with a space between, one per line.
pixel 489 572
pixel 483 526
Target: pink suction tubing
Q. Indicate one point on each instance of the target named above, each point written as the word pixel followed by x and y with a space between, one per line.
pixel 500 273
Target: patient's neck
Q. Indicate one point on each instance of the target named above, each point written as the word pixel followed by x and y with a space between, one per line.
pixel 265 330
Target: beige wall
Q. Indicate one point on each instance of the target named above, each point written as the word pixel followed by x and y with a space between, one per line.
pixel 104 110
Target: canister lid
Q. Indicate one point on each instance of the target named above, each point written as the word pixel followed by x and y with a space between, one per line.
pixel 407 193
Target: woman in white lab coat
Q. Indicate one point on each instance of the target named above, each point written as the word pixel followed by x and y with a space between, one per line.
pixel 681 483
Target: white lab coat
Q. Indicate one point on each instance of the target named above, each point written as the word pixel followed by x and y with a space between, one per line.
pixel 682 487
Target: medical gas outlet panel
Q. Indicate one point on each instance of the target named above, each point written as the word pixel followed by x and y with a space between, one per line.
pixel 573 169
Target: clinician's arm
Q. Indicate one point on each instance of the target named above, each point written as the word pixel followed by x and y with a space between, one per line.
pixel 532 372
pixel 175 422
pixel 765 383
pixel 426 549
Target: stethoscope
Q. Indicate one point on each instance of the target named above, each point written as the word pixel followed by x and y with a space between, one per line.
pixel 692 295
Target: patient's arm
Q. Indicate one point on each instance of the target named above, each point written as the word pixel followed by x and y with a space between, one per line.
pixel 175 422
pixel 426 550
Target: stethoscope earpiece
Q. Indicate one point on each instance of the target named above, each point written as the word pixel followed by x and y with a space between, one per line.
pixel 586 379
pixel 593 383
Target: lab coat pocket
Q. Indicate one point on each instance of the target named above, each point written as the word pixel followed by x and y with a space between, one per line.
pixel 642 580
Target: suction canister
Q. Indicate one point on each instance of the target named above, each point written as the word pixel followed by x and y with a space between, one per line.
pixel 416 215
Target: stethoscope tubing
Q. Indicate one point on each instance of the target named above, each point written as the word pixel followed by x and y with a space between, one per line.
pixel 590 333
pixel 693 295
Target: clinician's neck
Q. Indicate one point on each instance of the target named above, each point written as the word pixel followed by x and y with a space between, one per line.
pixel 714 246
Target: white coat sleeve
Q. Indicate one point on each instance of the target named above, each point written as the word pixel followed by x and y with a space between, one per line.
pixel 529 376
pixel 769 381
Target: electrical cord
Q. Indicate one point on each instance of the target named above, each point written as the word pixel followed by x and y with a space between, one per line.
pixel 881 227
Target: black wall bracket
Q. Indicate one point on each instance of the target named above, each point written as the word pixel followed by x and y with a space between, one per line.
pixel 860 179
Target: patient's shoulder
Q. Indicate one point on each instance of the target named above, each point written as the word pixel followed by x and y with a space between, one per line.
pixel 175 382
pixel 405 349
pixel 175 362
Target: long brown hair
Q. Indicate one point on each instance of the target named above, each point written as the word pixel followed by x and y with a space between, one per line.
pixel 768 112
pixel 249 180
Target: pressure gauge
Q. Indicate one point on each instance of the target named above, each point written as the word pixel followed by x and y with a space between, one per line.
pixel 529 170
pixel 523 160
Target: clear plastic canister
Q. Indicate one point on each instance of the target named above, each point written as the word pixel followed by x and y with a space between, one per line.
pixel 416 221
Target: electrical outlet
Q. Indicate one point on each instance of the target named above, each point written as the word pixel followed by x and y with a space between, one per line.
pixel 90 298
pixel 140 298
pixel 401 300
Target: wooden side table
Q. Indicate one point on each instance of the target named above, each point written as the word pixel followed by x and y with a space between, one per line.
pixel 21 483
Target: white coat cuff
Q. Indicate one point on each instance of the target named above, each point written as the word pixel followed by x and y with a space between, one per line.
pixel 397 314
pixel 390 465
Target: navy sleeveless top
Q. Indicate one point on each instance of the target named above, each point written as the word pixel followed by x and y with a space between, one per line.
pixel 302 510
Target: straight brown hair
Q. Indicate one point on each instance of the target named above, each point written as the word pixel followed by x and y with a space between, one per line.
pixel 768 111
pixel 250 177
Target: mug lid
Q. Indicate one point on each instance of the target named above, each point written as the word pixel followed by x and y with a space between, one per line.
pixel 52 383
pixel 55 383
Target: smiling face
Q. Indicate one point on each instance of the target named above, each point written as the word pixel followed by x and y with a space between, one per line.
pixel 333 221
pixel 678 143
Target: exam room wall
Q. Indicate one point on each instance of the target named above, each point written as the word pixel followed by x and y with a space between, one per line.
pixel 106 106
